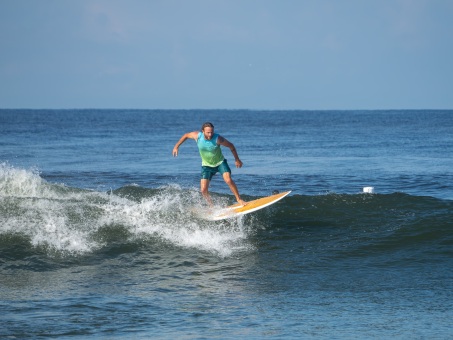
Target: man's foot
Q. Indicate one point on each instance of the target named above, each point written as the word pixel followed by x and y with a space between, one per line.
pixel 242 202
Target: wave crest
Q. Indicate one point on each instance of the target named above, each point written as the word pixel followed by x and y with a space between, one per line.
pixel 75 221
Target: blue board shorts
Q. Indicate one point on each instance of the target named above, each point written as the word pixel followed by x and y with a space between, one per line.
pixel 207 172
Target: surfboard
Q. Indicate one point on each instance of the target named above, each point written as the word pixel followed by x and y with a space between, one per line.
pixel 236 210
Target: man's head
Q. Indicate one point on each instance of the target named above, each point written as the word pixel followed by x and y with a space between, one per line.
pixel 208 130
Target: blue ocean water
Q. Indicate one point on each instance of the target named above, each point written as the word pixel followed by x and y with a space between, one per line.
pixel 98 238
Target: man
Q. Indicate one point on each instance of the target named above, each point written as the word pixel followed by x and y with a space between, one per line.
pixel 212 159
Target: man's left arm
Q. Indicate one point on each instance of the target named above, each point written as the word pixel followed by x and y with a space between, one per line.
pixel 224 142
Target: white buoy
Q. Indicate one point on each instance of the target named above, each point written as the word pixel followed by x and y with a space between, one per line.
pixel 368 190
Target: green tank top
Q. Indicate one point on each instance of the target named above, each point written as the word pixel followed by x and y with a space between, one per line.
pixel 210 152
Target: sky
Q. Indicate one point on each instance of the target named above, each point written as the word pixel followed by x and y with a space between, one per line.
pixel 227 54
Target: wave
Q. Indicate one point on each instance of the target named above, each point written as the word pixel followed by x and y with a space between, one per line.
pixel 364 229
pixel 38 216
pixel 68 220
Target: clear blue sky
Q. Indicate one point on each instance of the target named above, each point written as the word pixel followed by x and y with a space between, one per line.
pixel 230 54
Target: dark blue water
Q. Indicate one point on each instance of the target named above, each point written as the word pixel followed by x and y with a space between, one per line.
pixel 98 238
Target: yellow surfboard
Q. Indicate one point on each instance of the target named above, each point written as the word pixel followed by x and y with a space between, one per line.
pixel 251 206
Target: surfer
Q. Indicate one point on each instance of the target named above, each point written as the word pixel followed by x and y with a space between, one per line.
pixel 212 159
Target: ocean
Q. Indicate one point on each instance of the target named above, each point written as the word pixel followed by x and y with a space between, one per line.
pixel 98 238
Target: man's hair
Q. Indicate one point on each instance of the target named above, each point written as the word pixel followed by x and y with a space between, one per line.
pixel 207 124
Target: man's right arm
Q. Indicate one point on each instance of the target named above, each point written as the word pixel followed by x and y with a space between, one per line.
pixel 192 135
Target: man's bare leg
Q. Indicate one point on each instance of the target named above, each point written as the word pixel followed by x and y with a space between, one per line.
pixel 204 185
pixel 228 180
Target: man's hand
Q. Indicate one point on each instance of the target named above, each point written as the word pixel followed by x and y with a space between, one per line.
pixel 238 163
pixel 175 151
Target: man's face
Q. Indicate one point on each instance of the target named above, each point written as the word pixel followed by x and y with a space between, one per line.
pixel 208 132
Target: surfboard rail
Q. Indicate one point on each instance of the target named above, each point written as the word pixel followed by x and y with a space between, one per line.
pixel 251 206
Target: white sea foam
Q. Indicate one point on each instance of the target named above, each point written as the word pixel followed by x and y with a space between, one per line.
pixel 67 220
pixel 19 182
